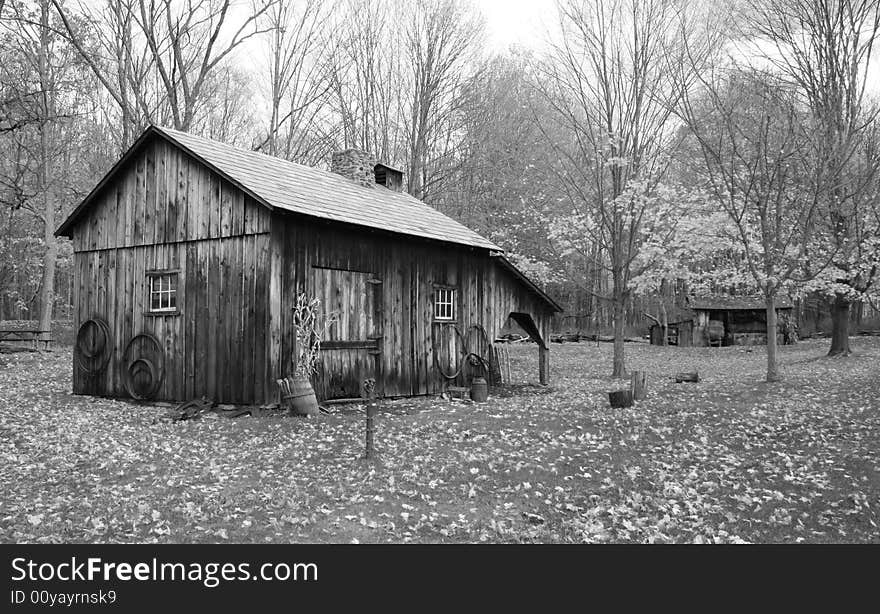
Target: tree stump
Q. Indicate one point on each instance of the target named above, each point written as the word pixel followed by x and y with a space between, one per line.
pixel 639 385
pixel 620 398
pixel 687 377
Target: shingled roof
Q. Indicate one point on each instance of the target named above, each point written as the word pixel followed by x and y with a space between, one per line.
pixel 280 184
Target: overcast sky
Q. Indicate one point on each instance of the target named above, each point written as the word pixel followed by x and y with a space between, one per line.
pixel 526 23
pixel 516 22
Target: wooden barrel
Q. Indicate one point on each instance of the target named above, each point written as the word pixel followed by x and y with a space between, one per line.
pixel 715 331
pixel 301 399
pixel 479 390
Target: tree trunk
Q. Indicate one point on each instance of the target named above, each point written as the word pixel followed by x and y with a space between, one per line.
pixel 664 322
pixel 772 369
pixel 619 368
pixel 47 290
pixel 840 327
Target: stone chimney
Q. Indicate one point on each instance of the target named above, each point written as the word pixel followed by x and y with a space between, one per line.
pixel 356 165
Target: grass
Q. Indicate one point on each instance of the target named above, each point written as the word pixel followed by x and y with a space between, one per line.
pixel 730 459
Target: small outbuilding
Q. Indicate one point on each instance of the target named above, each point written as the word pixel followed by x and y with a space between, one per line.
pixel 734 320
pixel 721 320
pixel 679 328
pixel 189 255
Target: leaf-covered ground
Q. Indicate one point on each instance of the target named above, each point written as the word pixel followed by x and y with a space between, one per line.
pixel 729 459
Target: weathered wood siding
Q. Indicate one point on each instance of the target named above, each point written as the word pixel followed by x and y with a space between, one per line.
pixel 239 269
pixel 165 210
pixel 406 272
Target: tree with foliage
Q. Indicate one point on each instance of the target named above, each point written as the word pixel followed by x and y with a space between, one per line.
pixel 757 156
pixel 823 48
pixel 608 81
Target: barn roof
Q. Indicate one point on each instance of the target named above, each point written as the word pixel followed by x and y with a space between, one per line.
pixel 732 303
pixel 288 186
pixel 280 184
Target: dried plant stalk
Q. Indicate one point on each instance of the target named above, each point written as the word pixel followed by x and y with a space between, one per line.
pixel 310 327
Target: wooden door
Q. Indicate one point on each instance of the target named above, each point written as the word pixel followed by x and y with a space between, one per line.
pixel 351 350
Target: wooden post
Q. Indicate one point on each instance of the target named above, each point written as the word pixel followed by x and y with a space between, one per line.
pixel 369 393
pixel 543 364
pixel 495 378
pixel 371 429
pixel 639 385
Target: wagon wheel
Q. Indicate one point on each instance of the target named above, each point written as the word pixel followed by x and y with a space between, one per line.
pixel 136 367
pixel 136 389
pixel 92 349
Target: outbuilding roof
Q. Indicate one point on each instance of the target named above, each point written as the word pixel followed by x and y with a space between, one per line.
pixel 678 315
pixel 719 302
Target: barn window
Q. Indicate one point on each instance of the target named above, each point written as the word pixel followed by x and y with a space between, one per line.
pixel 163 291
pixel 444 303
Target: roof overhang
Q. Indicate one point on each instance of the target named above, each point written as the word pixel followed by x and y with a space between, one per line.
pixel 509 266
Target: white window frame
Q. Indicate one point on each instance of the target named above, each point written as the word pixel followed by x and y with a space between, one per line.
pixel 444 303
pixel 162 284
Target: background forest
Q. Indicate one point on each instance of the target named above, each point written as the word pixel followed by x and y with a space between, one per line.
pixel 646 149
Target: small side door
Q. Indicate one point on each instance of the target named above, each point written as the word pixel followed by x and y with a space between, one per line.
pixel 351 349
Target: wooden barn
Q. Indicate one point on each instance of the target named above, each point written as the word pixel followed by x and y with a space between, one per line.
pixel 189 254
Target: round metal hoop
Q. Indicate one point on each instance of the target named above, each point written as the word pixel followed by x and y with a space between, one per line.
pixel 93 358
pixel 133 366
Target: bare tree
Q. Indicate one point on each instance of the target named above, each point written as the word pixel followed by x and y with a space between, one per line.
pixel 299 78
pixel 187 41
pixel 105 38
pixel 228 113
pixel 366 78
pixel 36 93
pixel 171 46
pixel 441 40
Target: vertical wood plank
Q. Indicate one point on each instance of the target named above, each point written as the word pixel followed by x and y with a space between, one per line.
pixel 225 205
pixel 260 321
pixel 202 326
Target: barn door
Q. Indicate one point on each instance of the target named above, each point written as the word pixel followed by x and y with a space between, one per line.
pixel 351 350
